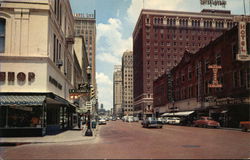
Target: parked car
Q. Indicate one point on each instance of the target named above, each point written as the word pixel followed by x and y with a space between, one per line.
pixel 152 122
pixel 130 119
pixel 173 120
pixel 102 121
pixel 206 122
pixel 135 119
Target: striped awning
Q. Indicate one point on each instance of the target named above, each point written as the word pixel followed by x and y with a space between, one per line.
pixel 19 100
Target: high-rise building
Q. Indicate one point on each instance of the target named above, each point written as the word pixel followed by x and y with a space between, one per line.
pixel 127 83
pixel 160 38
pixel 85 25
pixel 117 91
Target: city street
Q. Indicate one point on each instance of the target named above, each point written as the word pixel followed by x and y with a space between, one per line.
pixel 125 140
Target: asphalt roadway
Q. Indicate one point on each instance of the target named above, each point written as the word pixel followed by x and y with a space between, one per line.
pixel 122 140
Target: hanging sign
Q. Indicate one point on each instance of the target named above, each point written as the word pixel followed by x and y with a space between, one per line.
pixel 215 82
pixel 243 54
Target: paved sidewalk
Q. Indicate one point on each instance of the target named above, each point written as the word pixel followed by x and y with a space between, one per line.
pixel 66 136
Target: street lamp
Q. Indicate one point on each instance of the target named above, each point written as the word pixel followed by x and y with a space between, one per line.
pixel 89 131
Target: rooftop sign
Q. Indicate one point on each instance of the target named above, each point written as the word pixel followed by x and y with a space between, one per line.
pixel 214 3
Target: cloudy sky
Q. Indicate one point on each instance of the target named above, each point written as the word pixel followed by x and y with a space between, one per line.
pixel 115 23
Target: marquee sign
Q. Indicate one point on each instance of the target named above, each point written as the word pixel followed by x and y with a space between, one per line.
pixel 243 53
pixel 214 3
pixel 215 82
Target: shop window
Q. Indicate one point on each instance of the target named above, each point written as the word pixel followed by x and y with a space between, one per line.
pixel 2 34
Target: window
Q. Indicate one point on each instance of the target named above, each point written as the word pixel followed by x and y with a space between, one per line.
pixel 234 51
pixel 235 79
pixel 206 65
pixel 248 78
pixel 218 59
pixel 2 35
pixel 242 80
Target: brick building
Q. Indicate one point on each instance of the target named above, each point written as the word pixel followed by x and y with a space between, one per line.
pixel 229 104
pixel 159 41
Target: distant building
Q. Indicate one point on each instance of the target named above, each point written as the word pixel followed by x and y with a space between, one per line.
pixel 159 41
pixel 190 79
pixel 117 91
pixel 127 83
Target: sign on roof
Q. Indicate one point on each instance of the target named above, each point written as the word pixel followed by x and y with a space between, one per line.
pixel 214 3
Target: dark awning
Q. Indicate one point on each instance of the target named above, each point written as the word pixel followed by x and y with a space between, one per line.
pixel 28 100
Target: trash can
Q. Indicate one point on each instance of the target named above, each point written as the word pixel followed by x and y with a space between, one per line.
pixel 93 124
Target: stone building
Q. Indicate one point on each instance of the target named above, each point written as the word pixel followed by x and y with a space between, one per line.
pixel 117 91
pixel 37 67
pixel 85 26
pixel 127 83
pixel 160 38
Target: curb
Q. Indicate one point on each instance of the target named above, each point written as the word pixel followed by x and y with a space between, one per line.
pixel 80 139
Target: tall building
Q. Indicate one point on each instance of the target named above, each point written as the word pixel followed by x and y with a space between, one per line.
pixel 38 67
pixel 159 41
pixel 117 91
pixel 85 26
pixel 127 83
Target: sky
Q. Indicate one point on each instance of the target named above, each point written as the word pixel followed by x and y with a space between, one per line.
pixel 115 21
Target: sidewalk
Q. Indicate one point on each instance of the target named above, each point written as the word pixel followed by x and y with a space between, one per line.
pixel 66 136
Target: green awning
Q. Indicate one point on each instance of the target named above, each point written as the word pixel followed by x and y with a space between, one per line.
pixel 28 100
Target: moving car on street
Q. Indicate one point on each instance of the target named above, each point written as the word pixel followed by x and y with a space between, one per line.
pixel 206 122
pixel 151 122
pixel 102 121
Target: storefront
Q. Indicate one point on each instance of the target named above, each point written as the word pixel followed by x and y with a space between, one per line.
pixel 34 114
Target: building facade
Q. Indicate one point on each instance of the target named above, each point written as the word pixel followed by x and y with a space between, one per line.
pixel 117 91
pixel 82 57
pixel 159 41
pixel 85 26
pixel 191 78
pixel 127 83
pixel 37 67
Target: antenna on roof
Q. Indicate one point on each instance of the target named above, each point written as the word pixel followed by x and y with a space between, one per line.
pixel 142 4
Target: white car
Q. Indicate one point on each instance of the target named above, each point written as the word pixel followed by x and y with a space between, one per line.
pixel 102 121
pixel 173 120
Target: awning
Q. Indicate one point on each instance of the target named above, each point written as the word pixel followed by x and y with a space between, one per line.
pixel 28 100
pixel 186 113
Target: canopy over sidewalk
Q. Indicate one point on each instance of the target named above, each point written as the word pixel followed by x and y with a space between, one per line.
pixel 186 113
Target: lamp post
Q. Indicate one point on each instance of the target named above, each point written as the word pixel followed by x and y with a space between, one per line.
pixel 89 131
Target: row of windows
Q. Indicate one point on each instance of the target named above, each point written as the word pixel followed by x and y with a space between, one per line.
pixel 194 23
pixel 240 79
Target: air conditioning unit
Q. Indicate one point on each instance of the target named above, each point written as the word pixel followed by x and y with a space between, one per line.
pixel 59 62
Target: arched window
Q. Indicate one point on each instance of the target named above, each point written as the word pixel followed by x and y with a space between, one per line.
pixel 2 35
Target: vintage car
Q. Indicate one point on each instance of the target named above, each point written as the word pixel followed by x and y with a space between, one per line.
pixel 102 121
pixel 206 122
pixel 152 122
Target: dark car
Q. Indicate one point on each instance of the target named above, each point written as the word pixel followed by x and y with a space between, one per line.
pixel 206 122
pixel 152 122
